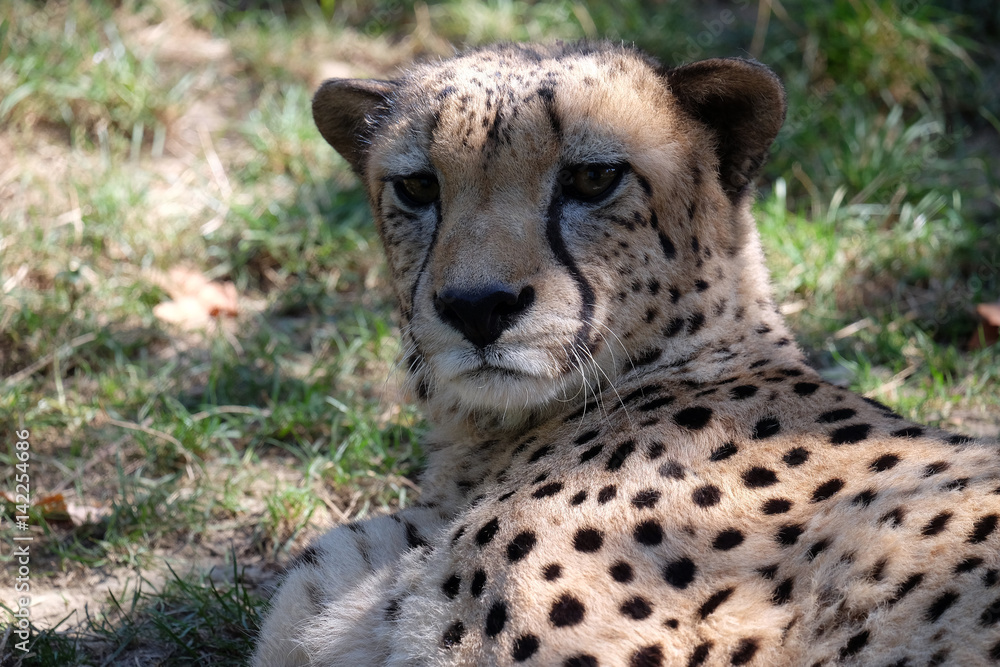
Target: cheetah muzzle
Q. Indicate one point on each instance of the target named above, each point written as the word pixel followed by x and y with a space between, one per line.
pixel 630 461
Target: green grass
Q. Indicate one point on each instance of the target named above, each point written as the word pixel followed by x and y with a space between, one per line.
pixel 147 136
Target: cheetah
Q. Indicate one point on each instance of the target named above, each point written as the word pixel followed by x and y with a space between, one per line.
pixel 630 461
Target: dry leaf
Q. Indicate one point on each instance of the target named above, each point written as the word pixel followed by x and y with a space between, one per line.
pixel 990 312
pixel 196 299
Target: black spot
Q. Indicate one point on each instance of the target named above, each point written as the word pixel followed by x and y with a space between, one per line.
pixel 991 615
pixel 904 588
pixel 647 656
pixel 694 418
pixel 744 653
pixel 566 611
pixel 706 496
pixel 539 453
pixel 680 573
pixel 994 653
pixel 805 388
pixel 796 457
pixel 712 603
pixel 413 538
pixel 648 533
pixel 617 458
pixel 580 661
pixel 854 645
pixel 637 608
pixel 848 435
pixel 655 451
pixel 728 539
pixel 478 583
pixel 669 251
pixel 878 571
pixel 496 619
pixel 701 285
pixel 525 646
pixel 742 392
pixel 587 437
pixel 990 578
pixel 521 546
pixel 768 572
pixel 488 532
pixel 960 440
pixel 453 635
pixel 983 528
pixel 607 494
pixel 894 518
pixel 835 416
pixel 936 525
pixel 588 540
pixel 865 498
pixel 674 327
pixel 672 623
pixel 578 498
pixel 506 496
pixel 621 572
pixel 646 499
pixel 695 323
pixel 552 571
pixel 909 432
pixel 647 357
pixel 938 658
pixel 940 605
pixel 451 585
pixel 758 478
pixel 783 592
pixel 671 470
pixel 776 506
pixel 968 565
pixel 392 610
pixel 935 468
pixel 656 403
pixel 591 453
pixel 789 534
pixel 548 490
pixel 765 428
pixel 699 655
pixel 956 484
pixel 827 489
pixel 723 452
pixel 816 549
pixel 883 463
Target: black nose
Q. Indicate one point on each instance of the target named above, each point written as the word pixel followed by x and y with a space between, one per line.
pixel 481 315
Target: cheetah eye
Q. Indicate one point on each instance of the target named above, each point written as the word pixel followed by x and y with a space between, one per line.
pixel 590 182
pixel 417 190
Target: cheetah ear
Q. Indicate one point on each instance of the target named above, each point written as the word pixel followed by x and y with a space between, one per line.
pixel 344 111
pixel 743 102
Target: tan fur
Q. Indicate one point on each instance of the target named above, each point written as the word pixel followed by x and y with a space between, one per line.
pixel 639 469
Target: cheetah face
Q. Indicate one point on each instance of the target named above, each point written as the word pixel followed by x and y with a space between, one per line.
pixel 537 209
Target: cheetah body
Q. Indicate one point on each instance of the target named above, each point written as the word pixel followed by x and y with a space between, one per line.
pixel 630 462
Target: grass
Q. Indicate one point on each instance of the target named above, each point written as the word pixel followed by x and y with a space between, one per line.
pixel 146 136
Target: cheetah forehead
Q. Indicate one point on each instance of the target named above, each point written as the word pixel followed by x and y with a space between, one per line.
pixel 579 103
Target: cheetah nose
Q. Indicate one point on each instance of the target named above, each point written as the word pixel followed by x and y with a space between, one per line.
pixel 481 315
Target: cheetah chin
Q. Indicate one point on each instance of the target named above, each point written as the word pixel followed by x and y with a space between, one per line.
pixel 629 461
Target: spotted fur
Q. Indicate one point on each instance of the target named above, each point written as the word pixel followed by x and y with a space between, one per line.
pixel 630 462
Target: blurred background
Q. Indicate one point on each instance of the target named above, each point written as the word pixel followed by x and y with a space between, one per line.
pixel 195 325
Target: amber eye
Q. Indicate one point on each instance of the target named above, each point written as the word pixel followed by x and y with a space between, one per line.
pixel 589 182
pixel 418 190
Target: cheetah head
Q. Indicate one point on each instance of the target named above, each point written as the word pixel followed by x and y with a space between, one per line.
pixel 554 217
